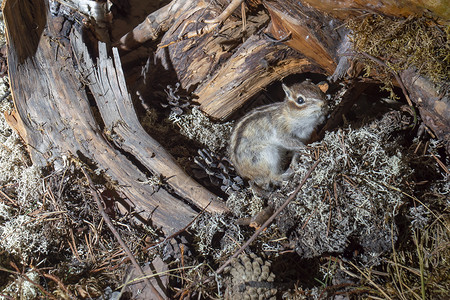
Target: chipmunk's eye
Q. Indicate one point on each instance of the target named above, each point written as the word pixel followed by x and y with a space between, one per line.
pixel 300 100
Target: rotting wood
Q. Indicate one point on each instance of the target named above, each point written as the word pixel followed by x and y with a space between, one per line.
pixel 397 8
pixel 196 59
pixel 107 84
pixel 63 125
pixel 161 20
pixel 210 24
pixel 311 35
pixel 54 118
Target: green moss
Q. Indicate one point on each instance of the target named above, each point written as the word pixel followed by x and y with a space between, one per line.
pixel 401 43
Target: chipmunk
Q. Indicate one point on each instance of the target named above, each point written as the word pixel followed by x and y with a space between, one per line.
pixel 264 141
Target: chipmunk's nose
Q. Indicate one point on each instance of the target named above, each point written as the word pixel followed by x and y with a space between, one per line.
pixel 321 103
pixel 323 106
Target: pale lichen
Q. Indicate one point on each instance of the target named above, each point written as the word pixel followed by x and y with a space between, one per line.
pixel 22 288
pixel 198 127
pixel 23 237
pixel 353 194
pixel 420 217
pixel 217 235
pixel 244 203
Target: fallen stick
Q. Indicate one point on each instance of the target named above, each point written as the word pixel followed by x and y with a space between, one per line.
pixel 117 235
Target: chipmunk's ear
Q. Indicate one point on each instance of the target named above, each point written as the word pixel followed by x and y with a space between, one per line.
pixel 323 86
pixel 286 90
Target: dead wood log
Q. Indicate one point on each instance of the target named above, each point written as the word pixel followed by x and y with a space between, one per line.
pixel 163 19
pixel 53 115
pixel 63 125
pixel 313 35
pixel 224 73
pixel 197 58
pixel 395 8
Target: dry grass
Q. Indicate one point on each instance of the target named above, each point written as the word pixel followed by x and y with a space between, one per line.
pixel 418 42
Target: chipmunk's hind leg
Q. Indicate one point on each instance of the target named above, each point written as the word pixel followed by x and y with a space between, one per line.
pixel 290 159
pixel 269 166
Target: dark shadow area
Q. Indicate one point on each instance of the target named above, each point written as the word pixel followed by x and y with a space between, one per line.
pixel 290 269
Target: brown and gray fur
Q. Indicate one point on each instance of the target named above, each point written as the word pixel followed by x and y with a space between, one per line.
pixel 263 141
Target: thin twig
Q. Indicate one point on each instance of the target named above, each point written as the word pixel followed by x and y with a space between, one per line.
pixel 234 4
pixel 3 194
pixel 344 151
pixel 267 223
pixel 60 284
pixel 73 245
pixel 331 210
pixel 244 17
pixel 117 236
pixel 336 200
